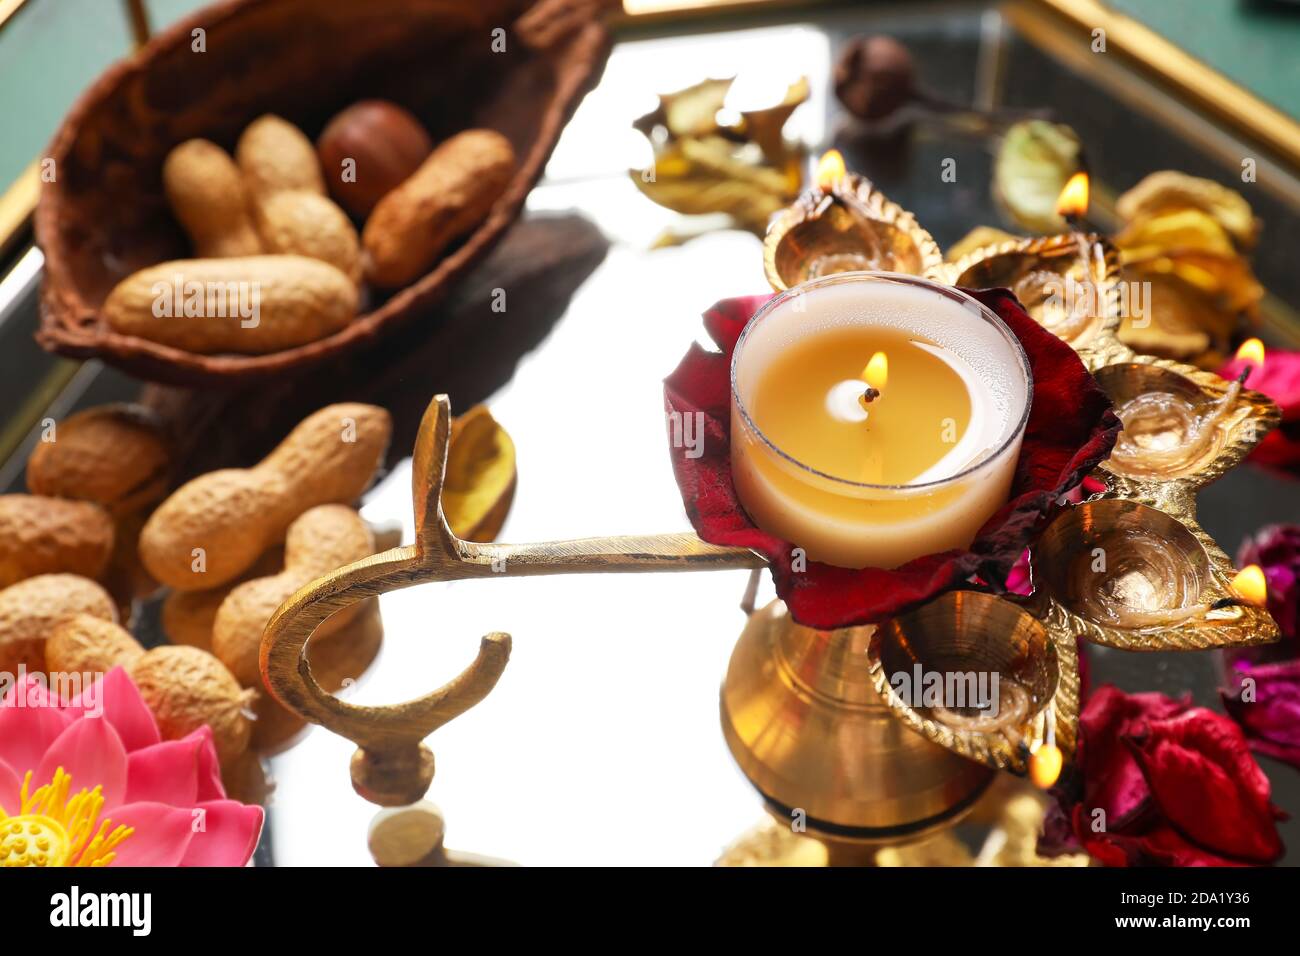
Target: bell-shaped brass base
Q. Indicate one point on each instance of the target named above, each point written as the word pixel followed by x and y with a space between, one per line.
pixel 808 729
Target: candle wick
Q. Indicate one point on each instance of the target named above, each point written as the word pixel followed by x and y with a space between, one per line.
pixel 870 395
pixel 1076 222
pixel 1245 374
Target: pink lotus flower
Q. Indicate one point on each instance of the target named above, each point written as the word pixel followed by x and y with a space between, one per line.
pixel 89 782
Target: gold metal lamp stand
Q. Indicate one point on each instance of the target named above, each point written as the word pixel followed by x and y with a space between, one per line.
pixel 800 710
pixel 807 726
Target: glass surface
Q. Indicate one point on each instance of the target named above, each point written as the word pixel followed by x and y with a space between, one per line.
pixel 601 743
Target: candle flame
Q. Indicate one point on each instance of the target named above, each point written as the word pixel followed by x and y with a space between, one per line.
pixel 829 169
pixel 1250 585
pixel 876 372
pixel 1045 765
pixel 1252 351
pixel 1073 201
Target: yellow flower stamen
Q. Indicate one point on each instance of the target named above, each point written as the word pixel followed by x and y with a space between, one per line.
pixel 53 829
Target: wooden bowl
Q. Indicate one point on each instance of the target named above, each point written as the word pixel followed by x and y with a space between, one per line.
pixel 105 215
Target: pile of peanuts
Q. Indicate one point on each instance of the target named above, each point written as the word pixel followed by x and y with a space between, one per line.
pixel 96 532
pixel 263 226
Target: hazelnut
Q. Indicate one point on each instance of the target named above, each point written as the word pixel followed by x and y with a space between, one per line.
pixel 875 77
pixel 385 144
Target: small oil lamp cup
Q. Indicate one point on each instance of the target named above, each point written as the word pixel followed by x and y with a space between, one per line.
pixel 861 524
pixel 980 675
pixel 1123 564
pixel 846 226
pixel 1175 426
pixel 1069 283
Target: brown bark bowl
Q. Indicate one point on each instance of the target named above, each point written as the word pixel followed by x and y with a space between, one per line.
pixel 105 215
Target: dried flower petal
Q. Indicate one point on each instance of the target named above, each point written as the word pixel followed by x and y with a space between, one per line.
pixel 1186 236
pixel 1169 189
pixel 706 175
pixel 1034 161
pixel 1276 549
pixel 765 126
pixel 1266 703
pixel 480 480
pixel 701 166
pixel 1205 783
pixel 1113 779
pixel 1177 230
pixel 1157 782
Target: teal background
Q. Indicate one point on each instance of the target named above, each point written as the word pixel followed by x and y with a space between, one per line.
pixel 51 50
pixel 1255 43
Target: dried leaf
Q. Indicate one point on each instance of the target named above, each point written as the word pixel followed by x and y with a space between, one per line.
pixel 1179 322
pixel 708 164
pixel 1230 283
pixel 1034 161
pixel 1183 235
pixel 1179 230
pixel 689 112
pixel 765 126
pixel 977 238
pixel 480 481
pixel 701 176
pixel 1171 190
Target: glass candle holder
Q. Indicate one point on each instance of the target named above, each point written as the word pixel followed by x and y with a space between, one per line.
pixel 864 476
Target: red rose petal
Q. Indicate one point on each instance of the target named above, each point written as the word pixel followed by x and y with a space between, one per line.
pixel 1205 783
pixel 1271 721
pixel 1109 849
pixel 1113 780
pixel 1165 846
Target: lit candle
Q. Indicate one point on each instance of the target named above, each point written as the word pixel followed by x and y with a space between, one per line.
pixel 1063 304
pixel 1251 586
pixel 873 480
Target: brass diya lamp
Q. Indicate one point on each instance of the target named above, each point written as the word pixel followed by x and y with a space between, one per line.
pixel 813 717
pixel 817 719
pixel 844 224
pixel 1131 568
pixel 1069 283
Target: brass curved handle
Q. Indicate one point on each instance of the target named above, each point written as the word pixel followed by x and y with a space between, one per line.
pixel 392 767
